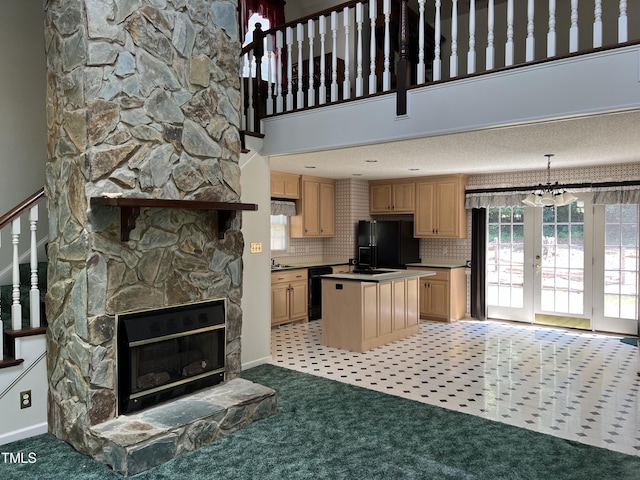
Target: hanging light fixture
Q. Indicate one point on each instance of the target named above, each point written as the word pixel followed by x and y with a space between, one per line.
pixel 550 194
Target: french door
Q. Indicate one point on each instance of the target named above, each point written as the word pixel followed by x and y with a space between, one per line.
pixel 573 261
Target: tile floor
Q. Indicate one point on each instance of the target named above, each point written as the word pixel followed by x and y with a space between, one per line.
pixel 570 384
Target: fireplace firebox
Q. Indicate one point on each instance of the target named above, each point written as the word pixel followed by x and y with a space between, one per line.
pixel 168 352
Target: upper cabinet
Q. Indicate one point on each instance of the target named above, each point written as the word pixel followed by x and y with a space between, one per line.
pixel 388 196
pixel 440 209
pixel 317 207
pixel 285 185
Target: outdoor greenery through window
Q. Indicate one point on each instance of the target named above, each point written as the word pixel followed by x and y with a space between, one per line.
pixel 279 233
pixel 621 261
pixel 505 256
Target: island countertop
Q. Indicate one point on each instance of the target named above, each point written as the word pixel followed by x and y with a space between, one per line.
pixel 385 275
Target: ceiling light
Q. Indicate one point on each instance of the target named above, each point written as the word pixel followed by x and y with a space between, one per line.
pixel 550 194
pixel 356 174
pixel 371 161
pixel 414 169
pixel 309 166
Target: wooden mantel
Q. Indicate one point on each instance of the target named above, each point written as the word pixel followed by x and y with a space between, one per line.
pixel 130 210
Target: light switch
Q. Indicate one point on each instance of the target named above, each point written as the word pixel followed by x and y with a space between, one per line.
pixel 256 247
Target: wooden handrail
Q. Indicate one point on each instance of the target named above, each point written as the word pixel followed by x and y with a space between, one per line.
pixel 19 209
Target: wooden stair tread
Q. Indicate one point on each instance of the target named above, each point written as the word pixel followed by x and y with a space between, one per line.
pixel 10 362
pixel 25 332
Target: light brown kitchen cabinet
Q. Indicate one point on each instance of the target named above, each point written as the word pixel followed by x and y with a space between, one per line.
pixel 440 209
pixel 289 297
pixel 285 185
pixel 316 207
pixel 386 197
pixel 443 297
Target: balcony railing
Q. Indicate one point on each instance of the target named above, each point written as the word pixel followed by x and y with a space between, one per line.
pixel 364 48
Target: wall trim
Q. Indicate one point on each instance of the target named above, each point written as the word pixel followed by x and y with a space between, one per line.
pixel 27 432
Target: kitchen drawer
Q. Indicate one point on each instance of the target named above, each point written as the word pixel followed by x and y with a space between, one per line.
pixel 288 276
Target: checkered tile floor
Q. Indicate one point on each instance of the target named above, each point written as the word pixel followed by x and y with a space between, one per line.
pixel 573 385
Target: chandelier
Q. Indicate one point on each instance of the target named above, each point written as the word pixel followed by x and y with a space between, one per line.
pixel 549 195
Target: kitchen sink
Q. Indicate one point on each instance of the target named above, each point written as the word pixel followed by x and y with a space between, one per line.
pixel 372 271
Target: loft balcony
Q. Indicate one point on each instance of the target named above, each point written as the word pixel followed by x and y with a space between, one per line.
pixel 382 71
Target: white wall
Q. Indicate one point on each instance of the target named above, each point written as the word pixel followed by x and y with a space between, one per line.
pixel 22 99
pixel 256 286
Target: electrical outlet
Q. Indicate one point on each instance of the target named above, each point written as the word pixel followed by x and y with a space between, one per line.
pixel 256 247
pixel 25 399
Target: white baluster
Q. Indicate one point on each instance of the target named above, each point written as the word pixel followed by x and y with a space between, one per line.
pixel 597 24
pixel 551 36
pixel 34 293
pixel 250 110
pixel 623 35
pixel 289 39
pixel 346 84
pixel 359 79
pixel 279 45
pixel 471 54
pixel 421 75
pixel 508 49
pixel 386 74
pixel 271 94
pixel 300 92
pixel 453 67
pixel 243 94
pixel 531 42
pixel 16 308
pixel 573 31
pixel 311 92
pixel 437 61
pixel 491 49
pixel 323 67
pixel 334 57
pixel 373 13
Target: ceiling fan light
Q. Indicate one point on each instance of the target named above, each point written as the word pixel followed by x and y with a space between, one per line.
pixel 547 199
pixel 531 200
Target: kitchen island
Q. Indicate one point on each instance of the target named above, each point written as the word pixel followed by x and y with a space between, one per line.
pixel 367 310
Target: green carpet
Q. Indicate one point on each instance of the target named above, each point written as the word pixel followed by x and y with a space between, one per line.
pixel 326 429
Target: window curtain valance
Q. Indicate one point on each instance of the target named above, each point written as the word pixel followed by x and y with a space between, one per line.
pixel 604 193
pixel 283 207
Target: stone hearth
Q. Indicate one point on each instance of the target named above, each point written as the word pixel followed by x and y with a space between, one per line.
pixel 143 101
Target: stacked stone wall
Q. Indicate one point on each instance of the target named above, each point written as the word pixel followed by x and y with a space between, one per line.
pixel 142 101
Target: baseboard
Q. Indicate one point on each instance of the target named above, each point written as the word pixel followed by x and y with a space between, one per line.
pixel 27 432
pixel 255 363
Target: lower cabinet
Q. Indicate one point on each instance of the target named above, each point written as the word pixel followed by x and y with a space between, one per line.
pixel 289 297
pixel 443 297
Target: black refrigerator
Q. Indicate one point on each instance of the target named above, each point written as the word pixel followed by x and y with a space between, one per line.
pixel 387 244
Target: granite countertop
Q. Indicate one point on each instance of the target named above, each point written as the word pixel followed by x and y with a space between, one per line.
pixel 294 264
pixel 379 277
pixel 439 263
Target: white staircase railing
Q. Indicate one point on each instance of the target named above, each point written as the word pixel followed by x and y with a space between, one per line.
pixel 27 211
pixel 321 58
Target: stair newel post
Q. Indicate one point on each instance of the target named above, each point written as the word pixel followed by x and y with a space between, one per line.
pixel 34 293
pixel 386 74
pixel 471 54
pixel 551 36
pixel 334 57
pixel 16 308
pixel 322 89
pixel 573 31
pixel 437 61
pixel 623 35
pixel 279 44
pixel 453 65
pixel 300 91
pixel 373 14
pixel 403 63
pixel 258 97
pixel 597 24
pixel 271 94
pixel 531 42
pixel 491 49
pixel 359 79
pixel 311 90
pixel 289 39
pixel 420 69
pixel 508 49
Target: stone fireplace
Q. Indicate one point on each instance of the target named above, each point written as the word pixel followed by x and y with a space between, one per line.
pixel 142 103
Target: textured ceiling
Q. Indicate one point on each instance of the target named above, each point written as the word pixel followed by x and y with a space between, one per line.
pixel 586 141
